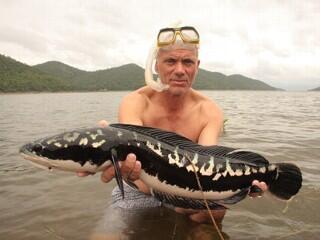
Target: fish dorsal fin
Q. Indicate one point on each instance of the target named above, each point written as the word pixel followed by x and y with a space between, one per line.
pixel 160 135
pixel 248 157
pixel 171 138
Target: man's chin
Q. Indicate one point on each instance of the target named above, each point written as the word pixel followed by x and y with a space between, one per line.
pixel 177 90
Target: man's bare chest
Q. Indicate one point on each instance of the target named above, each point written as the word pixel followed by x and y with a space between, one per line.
pixel 188 124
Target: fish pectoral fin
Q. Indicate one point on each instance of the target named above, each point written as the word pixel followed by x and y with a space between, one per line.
pixel 236 198
pixel 115 162
pixel 185 202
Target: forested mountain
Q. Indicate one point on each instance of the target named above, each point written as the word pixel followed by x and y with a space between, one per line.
pixel 56 76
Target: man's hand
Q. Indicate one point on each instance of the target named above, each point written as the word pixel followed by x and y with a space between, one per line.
pixel 260 186
pixel 202 216
pixel 130 170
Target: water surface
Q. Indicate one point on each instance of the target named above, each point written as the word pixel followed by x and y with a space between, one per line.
pixel 37 204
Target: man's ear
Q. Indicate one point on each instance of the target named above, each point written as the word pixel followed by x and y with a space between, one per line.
pixel 156 67
pixel 198 64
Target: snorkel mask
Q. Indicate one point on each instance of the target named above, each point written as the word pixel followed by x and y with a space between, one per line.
pixel 169 39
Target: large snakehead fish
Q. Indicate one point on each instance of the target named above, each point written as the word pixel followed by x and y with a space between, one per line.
pixel 178 171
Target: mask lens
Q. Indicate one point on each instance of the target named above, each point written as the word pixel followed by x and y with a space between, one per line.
pixel 189 35
pixel 166 37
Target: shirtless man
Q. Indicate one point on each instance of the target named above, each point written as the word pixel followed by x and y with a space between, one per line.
pixel 179 108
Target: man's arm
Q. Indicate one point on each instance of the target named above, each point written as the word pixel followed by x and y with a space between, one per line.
pixel 131 109
pixel 210 134
pixel 130 112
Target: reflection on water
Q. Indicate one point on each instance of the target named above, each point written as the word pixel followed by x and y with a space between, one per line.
pixel 36 204
pixel 151 223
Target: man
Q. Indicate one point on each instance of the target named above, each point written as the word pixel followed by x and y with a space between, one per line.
pixel 177 108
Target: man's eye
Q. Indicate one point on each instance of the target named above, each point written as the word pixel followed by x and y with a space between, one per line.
pixel 188 62
pixel 170 61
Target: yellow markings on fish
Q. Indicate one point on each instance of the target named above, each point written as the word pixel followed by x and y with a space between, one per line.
pixel 262 170
pixel 193 167
pixel 216 177
pixel 247 170
pixel 175 159
pixel 98 144
pixel 93 136
pixel 52 140
pixel 228 170
pixel 57 144
pixel 71 137
pixel 238 172
pixel 154 149
pixel 209 170
pixel 83 141
pixel 272 167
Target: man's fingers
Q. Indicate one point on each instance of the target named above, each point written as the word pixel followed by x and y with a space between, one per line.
pixel 258 188
pixel 128 166
pixel 135 173
pixel 103 123
pixel 262 185
pixel 83 174
pixel 108 174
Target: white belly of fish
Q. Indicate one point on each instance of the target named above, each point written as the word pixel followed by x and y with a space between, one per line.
pixel 154 183
pixel 65 165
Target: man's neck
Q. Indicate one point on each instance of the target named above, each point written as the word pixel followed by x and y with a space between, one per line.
pixel 174 103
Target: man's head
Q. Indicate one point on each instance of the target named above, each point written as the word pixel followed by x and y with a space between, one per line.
pixel 177 59
pixel 176 56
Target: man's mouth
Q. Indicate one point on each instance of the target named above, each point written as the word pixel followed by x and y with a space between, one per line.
pixel 178 82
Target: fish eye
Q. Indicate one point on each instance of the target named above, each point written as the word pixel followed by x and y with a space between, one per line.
pixel 37 148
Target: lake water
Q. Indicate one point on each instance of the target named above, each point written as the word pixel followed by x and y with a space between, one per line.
pixel 37 204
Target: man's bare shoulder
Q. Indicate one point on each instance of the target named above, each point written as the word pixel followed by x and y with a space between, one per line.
pixel 207 105
pixel 136 101
pixel 139 96
pixel 133 105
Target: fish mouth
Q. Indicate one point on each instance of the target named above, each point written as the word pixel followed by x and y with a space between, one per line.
pixel 26 149
pixel 31 148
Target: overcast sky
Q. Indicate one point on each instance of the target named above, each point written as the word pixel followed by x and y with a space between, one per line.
pixel 277 42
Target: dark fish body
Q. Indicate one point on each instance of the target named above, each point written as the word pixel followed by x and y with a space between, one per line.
pixel 170 163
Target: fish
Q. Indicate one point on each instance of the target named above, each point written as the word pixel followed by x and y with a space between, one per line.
pixel 178 171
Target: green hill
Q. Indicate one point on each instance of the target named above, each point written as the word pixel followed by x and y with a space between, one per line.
pixel 59 70
pixel 19 77
pixel 57 76
pixel 218 81
pixel 125 77
pixel 315 89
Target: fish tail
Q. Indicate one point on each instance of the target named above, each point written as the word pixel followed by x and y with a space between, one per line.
pixel 288 181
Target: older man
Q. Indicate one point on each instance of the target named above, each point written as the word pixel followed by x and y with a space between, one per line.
pixel 177 108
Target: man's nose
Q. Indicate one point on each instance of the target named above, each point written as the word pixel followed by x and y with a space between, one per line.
pixel 179 70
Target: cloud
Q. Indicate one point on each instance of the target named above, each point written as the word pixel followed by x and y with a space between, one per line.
pixel 275 41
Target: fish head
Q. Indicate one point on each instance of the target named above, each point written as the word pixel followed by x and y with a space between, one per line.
pixel 78 150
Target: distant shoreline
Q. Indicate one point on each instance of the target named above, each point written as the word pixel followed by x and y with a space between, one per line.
pixel 218 90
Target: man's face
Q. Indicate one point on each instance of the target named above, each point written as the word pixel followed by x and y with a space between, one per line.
pixel 177 68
